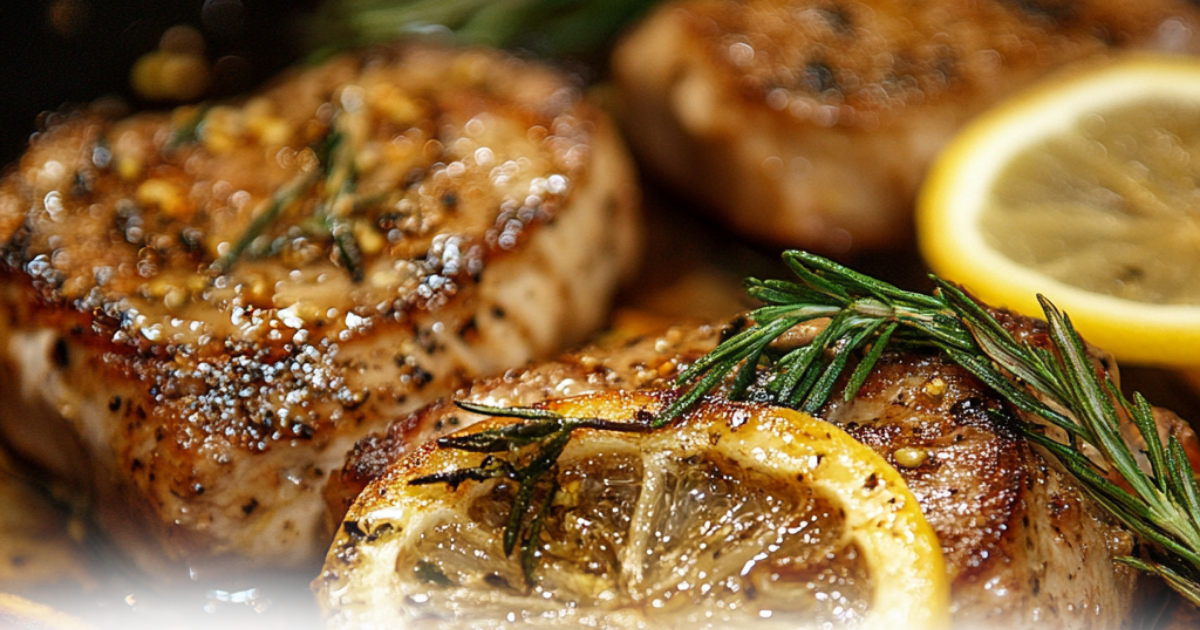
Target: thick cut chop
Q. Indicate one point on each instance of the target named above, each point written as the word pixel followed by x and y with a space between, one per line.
pixel 1023 546
pixel 203 310
pixel 811 122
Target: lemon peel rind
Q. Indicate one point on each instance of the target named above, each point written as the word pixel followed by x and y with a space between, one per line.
pixel 894 528
pixel 950 205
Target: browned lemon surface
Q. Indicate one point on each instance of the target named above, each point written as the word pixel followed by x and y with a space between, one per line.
pixel 705 531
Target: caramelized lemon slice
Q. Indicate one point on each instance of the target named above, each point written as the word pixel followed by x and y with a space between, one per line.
pixel 1087 190
pixel 737 515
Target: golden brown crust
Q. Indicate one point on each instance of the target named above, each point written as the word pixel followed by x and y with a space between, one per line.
pixel 131 279
pixel 640 361
pixel 454 157
pixel 924 403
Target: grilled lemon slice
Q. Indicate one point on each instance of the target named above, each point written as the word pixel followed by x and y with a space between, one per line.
pixel 736 514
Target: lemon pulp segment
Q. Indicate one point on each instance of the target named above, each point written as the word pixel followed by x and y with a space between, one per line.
pixel 739 515
pixel 1087 191
pixel 1112 206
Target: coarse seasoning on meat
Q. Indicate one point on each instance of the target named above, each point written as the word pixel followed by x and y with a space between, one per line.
pixel 810 123
pixel 201 310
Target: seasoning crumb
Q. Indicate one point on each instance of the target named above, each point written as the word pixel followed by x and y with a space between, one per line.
pixel 935 387
pixel 910 457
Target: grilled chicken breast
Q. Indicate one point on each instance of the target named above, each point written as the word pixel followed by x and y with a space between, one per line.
pixel 1023 546
pixel 203 309
pixel 811 123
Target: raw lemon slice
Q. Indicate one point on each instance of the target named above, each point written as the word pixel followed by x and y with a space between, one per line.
pixel 736 516
pixel 1087 190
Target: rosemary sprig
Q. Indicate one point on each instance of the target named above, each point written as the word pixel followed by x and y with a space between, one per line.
pixel 1162 505
pixel 535 444
pixel 188 131
pixel 281 199
pixel 336 175
pixel 332 212
pixel 861 311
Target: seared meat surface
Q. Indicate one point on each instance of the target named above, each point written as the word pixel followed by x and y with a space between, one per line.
pixel 810 123
pixel 203 309
pixel 1023 546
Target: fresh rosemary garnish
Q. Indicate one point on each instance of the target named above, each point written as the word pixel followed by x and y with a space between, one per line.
pixel 865 314
pixel 535 444
pixel 1057 382
pixel 548 27
pixel 189 131
pixel 332 211
pixel 336 175
pixel 284 197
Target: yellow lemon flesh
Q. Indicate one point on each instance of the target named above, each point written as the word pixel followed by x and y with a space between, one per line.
pixel 735 516
pixel 1085 189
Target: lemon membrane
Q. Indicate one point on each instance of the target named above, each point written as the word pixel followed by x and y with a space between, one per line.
pixel 739 515
pixel 1085 189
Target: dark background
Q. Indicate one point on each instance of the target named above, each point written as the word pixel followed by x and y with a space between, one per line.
pixel 59 52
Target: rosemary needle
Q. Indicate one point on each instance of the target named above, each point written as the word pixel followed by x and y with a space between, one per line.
pixel 534 443
pixel 337 175
pixel 282 198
